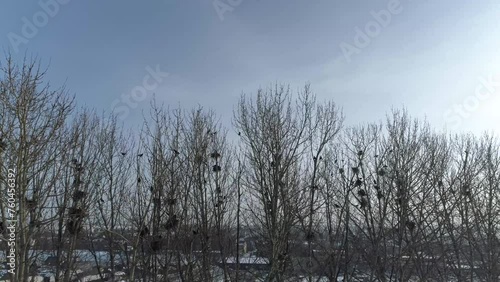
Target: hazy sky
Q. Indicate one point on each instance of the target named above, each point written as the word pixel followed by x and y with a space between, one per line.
pixel 440 59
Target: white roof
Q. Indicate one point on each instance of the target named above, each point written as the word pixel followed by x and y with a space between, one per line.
pixel 248 260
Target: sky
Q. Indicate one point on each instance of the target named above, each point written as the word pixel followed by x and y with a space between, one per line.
pixel 438 59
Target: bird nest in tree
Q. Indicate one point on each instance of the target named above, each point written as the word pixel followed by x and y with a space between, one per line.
pixel 74 226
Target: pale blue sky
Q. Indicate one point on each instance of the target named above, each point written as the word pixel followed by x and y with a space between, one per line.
pixel 428 58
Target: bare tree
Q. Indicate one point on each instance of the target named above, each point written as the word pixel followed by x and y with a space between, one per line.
pixel 32 126
pixel 277 133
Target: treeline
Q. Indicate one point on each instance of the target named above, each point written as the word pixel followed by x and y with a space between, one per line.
pixel 393 200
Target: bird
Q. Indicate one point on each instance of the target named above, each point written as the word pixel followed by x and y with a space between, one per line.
pixel 124 153
pixel 138 180
pixel 239 133
pixel 140 155
pixel 175 151
pixel 360 153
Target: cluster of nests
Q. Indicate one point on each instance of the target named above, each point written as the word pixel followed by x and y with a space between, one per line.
pixel 31 205
pixel 220 197
pixel 216 167
pixel 76 213
pixel 363 196
pixel 156 240
pixel 74 223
